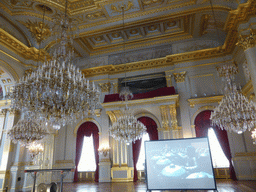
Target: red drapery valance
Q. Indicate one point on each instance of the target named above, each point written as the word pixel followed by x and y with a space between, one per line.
pixel 87 129
pixel 202 124
pixel 156 93
pixel 153 135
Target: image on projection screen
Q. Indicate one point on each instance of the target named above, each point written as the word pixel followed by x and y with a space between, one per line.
pixel 179 164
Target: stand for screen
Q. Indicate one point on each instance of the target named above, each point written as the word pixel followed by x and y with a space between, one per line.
pixel 35 171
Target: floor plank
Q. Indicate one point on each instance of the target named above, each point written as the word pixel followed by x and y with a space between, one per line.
pixel 222 186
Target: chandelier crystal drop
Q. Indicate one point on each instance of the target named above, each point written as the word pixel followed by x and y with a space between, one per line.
pixel 26 131
pixel 235 112
pixel 57 91
pixel 34 149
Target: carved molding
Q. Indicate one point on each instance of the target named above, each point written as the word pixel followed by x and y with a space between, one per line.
pixel 105 87
pixel 173 114
pixel 180 77
pixel 204 100
pixel 19 48
pixel 247 41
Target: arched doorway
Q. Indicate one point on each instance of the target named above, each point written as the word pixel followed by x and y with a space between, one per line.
pixel 153 135
pixel 87 129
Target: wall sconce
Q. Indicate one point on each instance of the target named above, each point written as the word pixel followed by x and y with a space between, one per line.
pixel 35 148
pixel 104 149
pixel 254 136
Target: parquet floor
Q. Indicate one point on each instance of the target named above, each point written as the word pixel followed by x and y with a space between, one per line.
pixel 222 186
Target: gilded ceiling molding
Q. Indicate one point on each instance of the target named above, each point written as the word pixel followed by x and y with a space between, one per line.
pixel 247 41
pixel 242 14
pixel 126 7
pixel 105 87
pixel 150 2
pixel 153 11
pixel 180 77
pixel 19 48
pixel 17 28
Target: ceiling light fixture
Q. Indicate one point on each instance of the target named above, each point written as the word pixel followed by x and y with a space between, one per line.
pixel 57 91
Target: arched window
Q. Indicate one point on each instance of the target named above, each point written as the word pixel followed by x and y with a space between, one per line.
pixel 87 161
pixel 141 161
pixel 219 160
pixel 87 129
pixel 202 124
pixel 153 135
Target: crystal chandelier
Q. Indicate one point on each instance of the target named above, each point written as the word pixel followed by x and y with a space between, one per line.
pixel 127 128
pixel 34 149
pixel 254 136
pixel 27 130
pixel 57 91
pixel 235 112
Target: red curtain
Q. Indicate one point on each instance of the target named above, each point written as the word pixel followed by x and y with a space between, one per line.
pixel 202 123
pixel 153 135
pixel 87 129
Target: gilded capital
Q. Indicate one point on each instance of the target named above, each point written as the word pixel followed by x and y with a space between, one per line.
pixel 105 87
pixel 180 77
pixel 246 41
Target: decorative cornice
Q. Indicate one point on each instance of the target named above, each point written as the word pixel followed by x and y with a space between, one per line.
pixel 64 161
pixel 204 100
pixel 171 99
pixel 180 77
pixel 105 87
pixel 19 48
pixel 247 41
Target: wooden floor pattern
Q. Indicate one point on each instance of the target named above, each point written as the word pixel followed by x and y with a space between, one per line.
pixel 222 186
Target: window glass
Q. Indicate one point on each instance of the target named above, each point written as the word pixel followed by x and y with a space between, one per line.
pixel 141 161
pixel 219 159
pixel 87 160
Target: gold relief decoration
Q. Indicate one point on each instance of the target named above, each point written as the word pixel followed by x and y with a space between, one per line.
pixel 180 77
pixel 3 81
pixel 164 117
pixel 150 2
pixel 39 30
pixel 28 72
pixel 241 14
pixel 18 47
pixel 247 41
pixel 95 15
pixel 111 116
pixel 105 87
pixel 168 80
pixel 173 114
pixel 1 72
pixel 247 89
pixel 126 7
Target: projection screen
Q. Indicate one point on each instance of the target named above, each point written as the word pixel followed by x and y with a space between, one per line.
pixel 179 164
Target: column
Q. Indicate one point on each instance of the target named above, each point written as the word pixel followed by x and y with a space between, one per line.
pixel 247 42
pixel 176 130
pixel 184 107
pixel 120 172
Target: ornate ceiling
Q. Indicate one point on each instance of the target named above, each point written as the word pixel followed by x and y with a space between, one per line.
pixel 100 30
